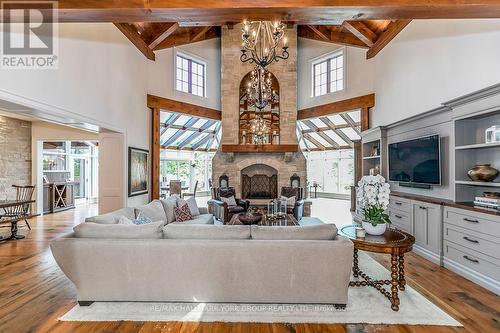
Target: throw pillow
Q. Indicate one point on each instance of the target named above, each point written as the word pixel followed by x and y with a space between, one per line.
pixel 125 220
pixel 182 213
pixel 231 201
pixel 141 219
pixel 290 202
pixel 191 202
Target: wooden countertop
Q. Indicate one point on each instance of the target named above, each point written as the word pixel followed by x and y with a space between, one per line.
pixel 445 202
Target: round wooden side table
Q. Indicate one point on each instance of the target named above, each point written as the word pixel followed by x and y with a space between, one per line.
pixel 393 242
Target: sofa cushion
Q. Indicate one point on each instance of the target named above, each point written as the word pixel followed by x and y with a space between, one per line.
pixel 310 232
pixel 154 210
pixel 112 217
pixel 190 231
pixel 200 219
pixel 122 231
pixel 168 205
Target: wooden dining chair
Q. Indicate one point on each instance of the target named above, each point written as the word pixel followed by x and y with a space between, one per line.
pixel 191 194
pixel 175 187
pixel 23 193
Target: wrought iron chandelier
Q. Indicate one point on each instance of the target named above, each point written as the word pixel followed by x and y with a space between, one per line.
pixel 260 89
pixel 260 41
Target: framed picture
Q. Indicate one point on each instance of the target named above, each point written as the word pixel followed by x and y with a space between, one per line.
pixel 138 171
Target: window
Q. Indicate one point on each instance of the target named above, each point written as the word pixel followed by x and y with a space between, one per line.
pixel 190 76
pixel 328 74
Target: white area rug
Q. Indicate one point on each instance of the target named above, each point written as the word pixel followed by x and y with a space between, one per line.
pixel 366 305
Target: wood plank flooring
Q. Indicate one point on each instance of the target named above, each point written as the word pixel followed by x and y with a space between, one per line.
pixel 34 293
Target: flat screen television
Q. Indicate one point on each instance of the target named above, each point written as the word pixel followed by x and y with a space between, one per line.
pixel 416 161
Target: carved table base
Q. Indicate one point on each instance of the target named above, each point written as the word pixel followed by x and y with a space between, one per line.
pixel 397 281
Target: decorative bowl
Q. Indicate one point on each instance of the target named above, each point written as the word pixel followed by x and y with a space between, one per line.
pixel 250 218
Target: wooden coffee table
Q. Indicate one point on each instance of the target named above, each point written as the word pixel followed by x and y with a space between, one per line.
pixel 393 242
pixel 289 220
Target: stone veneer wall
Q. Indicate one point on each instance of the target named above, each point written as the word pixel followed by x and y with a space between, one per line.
pixel 15 155
pixel 233 71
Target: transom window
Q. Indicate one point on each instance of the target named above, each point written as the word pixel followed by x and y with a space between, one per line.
pixel 328 75
pixel 190 76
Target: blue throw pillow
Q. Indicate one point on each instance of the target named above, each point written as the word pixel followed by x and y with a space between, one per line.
pixel 142 219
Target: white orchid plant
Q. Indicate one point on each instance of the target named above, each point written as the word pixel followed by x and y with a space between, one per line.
pixel 373 198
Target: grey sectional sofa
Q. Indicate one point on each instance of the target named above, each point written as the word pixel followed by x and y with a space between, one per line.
pixel 206 263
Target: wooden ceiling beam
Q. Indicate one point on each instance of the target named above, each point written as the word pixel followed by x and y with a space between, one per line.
pixel 341 134
pixel 170 30
pixel 365 101
pixel 168 104
pixel 392 30
pixel 314 141
pixel 324 129
pixel 133 35
pixel 188 35
pixel 199 34
pixel 321 134
pixel 323 34
pixel 300 11
pixel 361 31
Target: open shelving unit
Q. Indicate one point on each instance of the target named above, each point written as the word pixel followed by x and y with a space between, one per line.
pixel 374 146
pixel 470 150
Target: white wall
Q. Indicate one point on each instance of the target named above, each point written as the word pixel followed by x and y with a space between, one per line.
pixel 359 72
pixel 101 78
pixel 161 78
pixel 433 61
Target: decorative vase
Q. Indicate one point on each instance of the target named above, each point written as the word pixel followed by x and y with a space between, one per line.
pixel 377 230
pixel 483 173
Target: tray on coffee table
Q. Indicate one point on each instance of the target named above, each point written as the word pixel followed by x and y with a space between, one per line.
pixel 288 220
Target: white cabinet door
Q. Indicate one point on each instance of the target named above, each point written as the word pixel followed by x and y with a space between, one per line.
pixel 427 225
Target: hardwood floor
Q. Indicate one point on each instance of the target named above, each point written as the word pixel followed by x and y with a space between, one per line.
pixel 34 293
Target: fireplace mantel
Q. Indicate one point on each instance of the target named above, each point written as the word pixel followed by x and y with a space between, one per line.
pixel 284 148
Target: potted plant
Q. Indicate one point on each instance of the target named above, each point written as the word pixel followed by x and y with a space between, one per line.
pixel 373 198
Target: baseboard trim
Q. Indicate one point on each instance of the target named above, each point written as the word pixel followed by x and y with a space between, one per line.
pixel 482 280
pixel 431 256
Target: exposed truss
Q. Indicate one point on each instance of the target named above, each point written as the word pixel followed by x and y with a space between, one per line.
pixel 186 132
pixel 332 132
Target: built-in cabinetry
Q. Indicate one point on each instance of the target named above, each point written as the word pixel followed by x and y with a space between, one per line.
pixel 374 145
pixel 471 149
pixel 422 220
pixel 471 245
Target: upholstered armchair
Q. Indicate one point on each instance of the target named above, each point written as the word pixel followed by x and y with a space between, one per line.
pixel 298 208
pixel 221 209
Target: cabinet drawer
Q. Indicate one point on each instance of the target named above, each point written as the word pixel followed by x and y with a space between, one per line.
pixel 473 260
pixel 472 241
pixel 473 221
pixel 400 204
pixel 400 220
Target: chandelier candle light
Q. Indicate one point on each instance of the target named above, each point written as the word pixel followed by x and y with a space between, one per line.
pixel 260 41
pixel 260 91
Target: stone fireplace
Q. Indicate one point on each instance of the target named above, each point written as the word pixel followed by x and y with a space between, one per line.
pixel 259 181
pixel 266 171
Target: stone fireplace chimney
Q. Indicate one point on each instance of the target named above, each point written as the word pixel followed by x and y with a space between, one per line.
pixel 233 70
